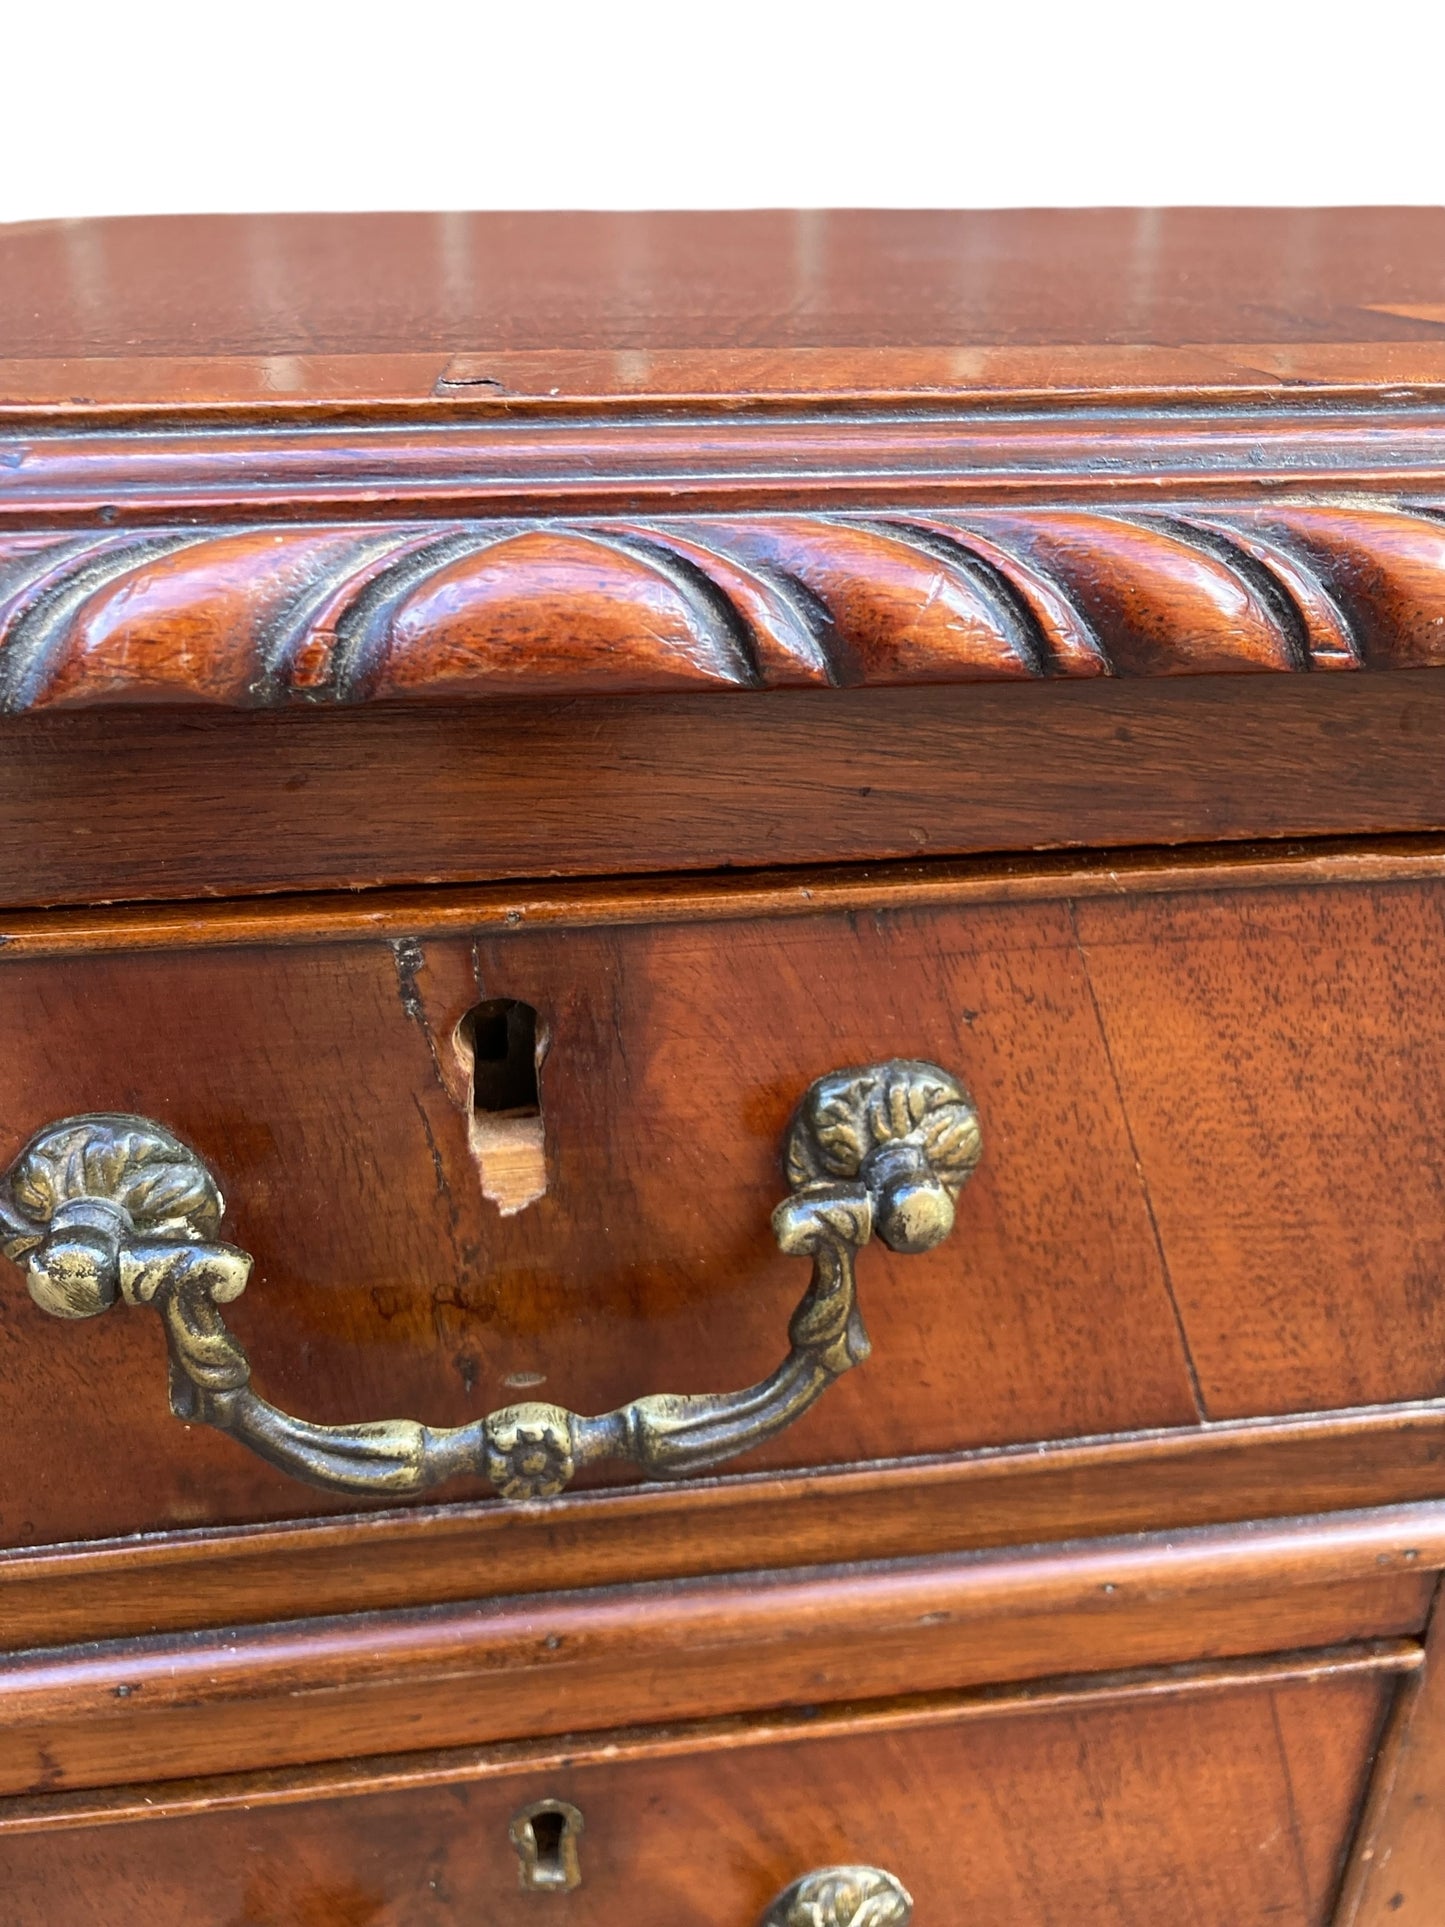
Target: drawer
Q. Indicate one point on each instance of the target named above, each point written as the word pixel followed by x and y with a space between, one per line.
pixel 1209 1100
pixel 314 1685
pixel 1212 1794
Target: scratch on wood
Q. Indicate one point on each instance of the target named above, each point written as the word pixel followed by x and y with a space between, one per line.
pixel 1195 1388
pixel 410 958
pixel 410 961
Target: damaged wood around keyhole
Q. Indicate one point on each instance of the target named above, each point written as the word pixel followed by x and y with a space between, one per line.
pixel 501 1044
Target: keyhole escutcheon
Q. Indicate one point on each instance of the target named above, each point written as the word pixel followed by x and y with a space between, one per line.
pixel 545 1836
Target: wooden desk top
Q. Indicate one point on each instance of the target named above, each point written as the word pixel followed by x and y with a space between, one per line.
pixel 330 461
pixel 467 312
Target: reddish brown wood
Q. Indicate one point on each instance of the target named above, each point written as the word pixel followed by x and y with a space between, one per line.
pixel 659 464
pixel 1399 1659
pixel 254 618
pixel 464 1551
pixel 102 807
pixel 615 311
pixel 1132 1252
pixel 1397 1871
pixel 367 472
pixel 1265 1048
pixel 1231 1803
pixel 729 305
pixel 554 384
pixel 324 1086
pixel 328 1688
pixel 722 897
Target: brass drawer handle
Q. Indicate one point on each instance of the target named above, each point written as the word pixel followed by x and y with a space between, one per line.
pixel 102 1208
pixel 842 1897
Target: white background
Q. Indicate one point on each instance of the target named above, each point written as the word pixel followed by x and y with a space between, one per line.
pixel 153 107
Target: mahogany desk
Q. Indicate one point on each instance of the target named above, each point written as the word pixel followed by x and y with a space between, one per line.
pixel 600 812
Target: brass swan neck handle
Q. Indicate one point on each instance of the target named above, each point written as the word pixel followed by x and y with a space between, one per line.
pixel 842 1897
pixel 103 1209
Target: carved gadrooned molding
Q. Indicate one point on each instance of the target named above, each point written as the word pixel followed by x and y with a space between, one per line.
pixel 307 613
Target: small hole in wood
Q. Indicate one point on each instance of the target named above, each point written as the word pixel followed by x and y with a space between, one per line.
pixel 501 1044
pixel 504 1056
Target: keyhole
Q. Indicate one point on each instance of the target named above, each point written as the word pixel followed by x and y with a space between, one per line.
pixel 545 1836
pixel 504 1057
pixel 501 1043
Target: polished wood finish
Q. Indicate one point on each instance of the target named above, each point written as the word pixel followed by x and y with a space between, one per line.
pixel 419 308
pixel 1130 1254
pixel 1397 1872
pixel 321 1689
pixel 1230 1794
pixel 1401 1659
pixel 122 804
pixel 911 1509
pixel 650 578
pixel 721 897
pixel 334 1071
pixel 305 559
pixel 270 615
pixel 1236 989
pixel 662 463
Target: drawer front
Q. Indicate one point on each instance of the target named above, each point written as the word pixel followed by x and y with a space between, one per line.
pixel 1208 1189
pixel 1209 1798
pixel 312 1688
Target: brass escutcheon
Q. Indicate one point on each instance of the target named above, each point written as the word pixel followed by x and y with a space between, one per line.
pixel 546 1835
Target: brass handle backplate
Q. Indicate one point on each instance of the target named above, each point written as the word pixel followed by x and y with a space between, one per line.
pixel 842 1897
pixel 104 1209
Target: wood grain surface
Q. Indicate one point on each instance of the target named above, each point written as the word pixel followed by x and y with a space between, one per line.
pixel 325 1088
pixel 1267 1051
pixel 914 1508
pixel 262 616
pixel 109 1712
pixel 499 310
pixel 1401 1660
pixel 721 896
pixel 1397 1872
pixel 776 481
pixel 1218 1799
pixel 1181 1098
pixel 77 475
pixel 103 807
